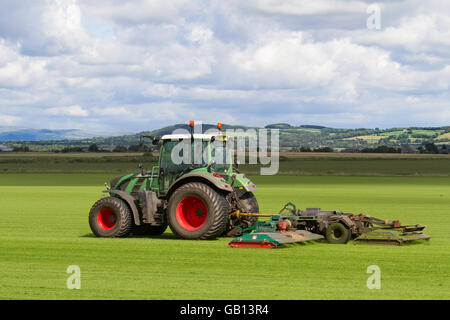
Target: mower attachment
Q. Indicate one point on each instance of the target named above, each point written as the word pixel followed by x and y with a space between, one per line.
pixel 394 236
pixel 292 225
pixel 272 240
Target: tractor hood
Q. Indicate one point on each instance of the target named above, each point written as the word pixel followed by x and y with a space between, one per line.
pixel 117 181
pixel 237 180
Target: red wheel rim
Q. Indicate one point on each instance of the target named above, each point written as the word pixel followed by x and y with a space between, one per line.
pixel 106 219
pixel 191 213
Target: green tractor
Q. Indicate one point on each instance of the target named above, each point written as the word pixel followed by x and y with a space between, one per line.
pixel 194 200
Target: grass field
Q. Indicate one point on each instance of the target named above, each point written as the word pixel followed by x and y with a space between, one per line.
pixel 368 138
pixel 44 229
pixel 308 163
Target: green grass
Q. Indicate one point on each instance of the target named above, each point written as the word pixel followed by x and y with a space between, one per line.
pixel 44 229
pixel 361 166
pixel 426 132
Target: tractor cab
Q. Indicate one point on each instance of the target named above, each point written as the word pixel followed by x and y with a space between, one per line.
pixel 198 153
pixel 205 155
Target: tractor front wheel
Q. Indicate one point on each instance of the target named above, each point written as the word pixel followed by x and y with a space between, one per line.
pixel 110 217
pixel 197 211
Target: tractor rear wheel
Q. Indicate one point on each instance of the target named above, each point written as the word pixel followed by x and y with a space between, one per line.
pixel 110 217
pixel 337 233
pixel 197 211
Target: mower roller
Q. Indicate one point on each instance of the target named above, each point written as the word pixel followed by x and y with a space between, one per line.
pixel 292 225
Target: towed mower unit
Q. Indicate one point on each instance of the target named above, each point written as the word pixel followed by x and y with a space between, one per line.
pixel 333 226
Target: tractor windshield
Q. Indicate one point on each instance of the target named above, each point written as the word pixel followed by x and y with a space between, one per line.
pixel 221 156
pixel 178 157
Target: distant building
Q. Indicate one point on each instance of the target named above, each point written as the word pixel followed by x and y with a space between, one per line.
pixel 5 148
pixel 444 149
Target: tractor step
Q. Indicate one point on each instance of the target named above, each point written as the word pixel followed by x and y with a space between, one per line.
pixel 272 240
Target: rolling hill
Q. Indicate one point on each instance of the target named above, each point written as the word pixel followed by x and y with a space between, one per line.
pixel 28 134
pixel 292 138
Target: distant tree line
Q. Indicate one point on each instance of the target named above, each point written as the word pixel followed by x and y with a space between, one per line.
pixel 308 149
pixel 21 149
pixel 429 148
pixel 381 149
pixel 432 148
pixel 95 148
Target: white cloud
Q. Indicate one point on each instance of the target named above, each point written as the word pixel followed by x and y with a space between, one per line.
pixel 112 111
pixel 140 11
pixel 74 111
pixel 417 33
pixel 43 28
pixel 339 67
pixel 305 7
pixel 17 70
pixel 8 120
pixel 254 62
pixel 199 34
pixel 62 27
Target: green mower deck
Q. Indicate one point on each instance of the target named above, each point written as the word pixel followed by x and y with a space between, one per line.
pixel 271 240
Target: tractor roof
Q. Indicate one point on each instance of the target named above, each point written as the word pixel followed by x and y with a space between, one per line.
pixel 197 136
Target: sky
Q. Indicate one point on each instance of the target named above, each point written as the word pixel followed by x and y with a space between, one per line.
pixel 130 66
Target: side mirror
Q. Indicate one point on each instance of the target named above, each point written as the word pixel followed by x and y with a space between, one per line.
pixel 236 167
pixel 211 166
pixel 141 167
pixel 155 140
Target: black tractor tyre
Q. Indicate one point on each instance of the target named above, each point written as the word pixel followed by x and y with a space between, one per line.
pixel 249 203
pixel 111 217
pixel 148 230
pixel 197 211
pixel 337 233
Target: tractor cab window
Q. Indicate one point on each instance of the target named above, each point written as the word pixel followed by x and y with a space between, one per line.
pixel 167 163
pixel 181 155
